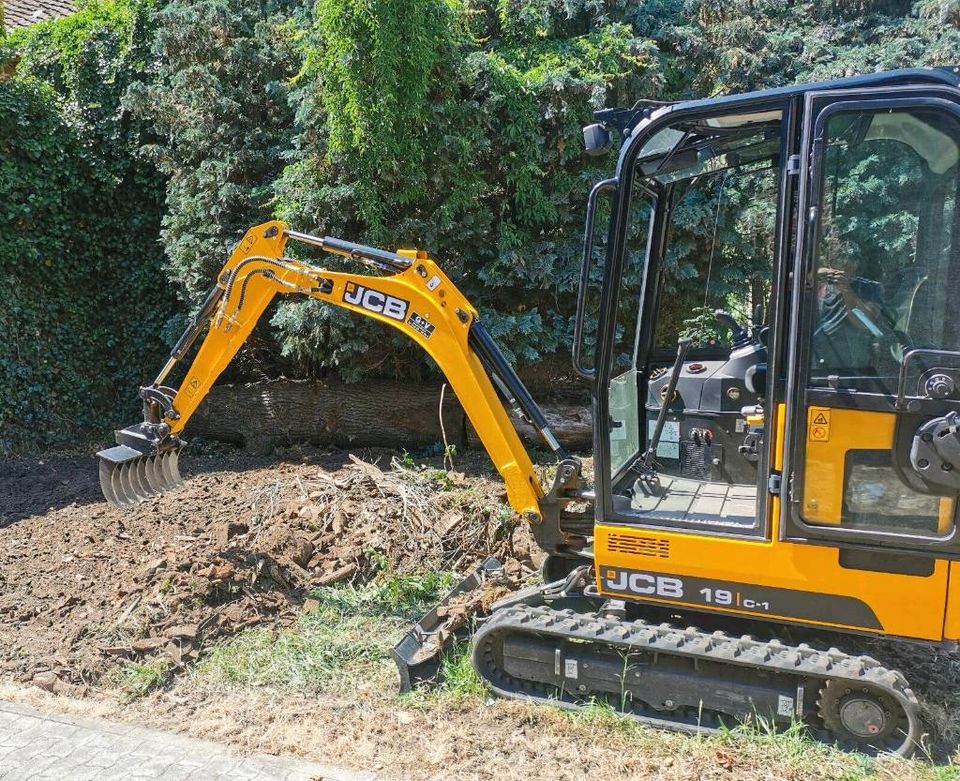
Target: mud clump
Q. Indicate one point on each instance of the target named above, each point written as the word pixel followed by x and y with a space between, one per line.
pixel 84 586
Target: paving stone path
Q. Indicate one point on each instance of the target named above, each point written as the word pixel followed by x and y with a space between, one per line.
pixel 37 746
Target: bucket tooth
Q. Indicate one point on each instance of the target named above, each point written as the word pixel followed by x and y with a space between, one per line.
pixel 153 476
pixel 170 471
pixel 124 491
pixel 110 484
pixel 133 475
pixel 140 466
pixel 171 463
pixel 126 484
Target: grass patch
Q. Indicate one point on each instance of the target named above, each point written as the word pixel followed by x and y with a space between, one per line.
pixel 346 640
pixel 320 651
pixel 138 680
pixel 604 716
pixel 404 597
pixel 792 744
pixel 457 676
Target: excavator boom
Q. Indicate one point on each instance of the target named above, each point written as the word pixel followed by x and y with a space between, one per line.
pixel 411 294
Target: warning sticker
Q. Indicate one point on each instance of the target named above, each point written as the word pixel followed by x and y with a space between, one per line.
pixel 420 324
pixel 784 706
pixel 818 429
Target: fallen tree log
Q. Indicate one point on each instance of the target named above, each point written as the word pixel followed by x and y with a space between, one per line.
pixel 375 413
pixel 572 424
pixel 262 415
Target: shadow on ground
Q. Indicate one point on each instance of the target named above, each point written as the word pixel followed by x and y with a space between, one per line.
pixel 35 486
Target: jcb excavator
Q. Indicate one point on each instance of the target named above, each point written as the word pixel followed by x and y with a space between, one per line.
pixel 776 406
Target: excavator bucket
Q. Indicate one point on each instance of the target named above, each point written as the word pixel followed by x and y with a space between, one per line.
pixel 137 468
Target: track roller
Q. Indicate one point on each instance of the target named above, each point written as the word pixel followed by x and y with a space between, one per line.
pixel 687 679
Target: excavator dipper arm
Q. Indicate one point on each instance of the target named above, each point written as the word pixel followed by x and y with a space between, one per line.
pixel 413 295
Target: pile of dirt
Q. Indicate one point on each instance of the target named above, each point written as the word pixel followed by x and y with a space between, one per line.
pixel 243 543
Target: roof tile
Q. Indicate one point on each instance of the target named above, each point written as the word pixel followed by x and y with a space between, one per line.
pixel 20 13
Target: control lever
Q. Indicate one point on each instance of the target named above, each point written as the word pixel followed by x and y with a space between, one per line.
pixel 683 345
pixel 740 335
pixel 753 441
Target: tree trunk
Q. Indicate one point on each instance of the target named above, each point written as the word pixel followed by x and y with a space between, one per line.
pixel 373 413
pixel 262 415
pixel 572 425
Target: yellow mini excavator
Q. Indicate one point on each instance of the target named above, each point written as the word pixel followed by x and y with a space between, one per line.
pixel 777 417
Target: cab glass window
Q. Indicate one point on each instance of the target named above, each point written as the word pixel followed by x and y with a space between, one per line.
pixel 885 275
pixel 884 284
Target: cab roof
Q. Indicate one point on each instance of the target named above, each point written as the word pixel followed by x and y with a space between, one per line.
pixel 626 119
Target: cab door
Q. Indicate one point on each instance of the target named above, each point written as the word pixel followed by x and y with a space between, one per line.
pixel 874 380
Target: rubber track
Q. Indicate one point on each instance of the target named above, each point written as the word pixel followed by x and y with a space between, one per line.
pixel 800 661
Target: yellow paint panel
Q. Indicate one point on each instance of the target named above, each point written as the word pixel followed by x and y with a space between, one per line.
pixel 946 511
pixel 893 598
pixel 826 454
pixel 779 427
pixel 951 623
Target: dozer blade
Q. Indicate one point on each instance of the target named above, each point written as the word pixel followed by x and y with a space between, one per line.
pixel 128 476
pixel 418 654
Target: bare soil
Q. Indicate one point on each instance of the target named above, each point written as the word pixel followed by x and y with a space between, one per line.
pixel 84 586
pixel 86 589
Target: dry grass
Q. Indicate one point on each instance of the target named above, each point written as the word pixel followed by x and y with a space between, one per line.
pixel 420 738
pixel 324 688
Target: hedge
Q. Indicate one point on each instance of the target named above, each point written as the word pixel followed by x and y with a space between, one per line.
pixel 141 138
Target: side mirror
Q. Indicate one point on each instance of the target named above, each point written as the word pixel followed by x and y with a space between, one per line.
pixel 596 139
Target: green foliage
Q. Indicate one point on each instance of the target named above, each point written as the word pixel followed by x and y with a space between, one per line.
pixel 81 301
pixel 141 138
pixel 135 680
pixel 215 99
pixel 374 62
pixel 473 154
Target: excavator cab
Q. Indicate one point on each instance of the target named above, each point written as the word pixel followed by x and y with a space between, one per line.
pixel 688 380
pixel 777 362
pixel 776 370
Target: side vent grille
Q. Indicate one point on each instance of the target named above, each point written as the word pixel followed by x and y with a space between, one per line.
pixel 639 546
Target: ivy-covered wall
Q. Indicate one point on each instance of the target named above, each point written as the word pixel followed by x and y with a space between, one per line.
pixel 159 130
pixel 82 289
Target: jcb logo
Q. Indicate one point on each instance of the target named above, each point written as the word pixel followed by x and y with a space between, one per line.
pixel 642 583
pixel 375 301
